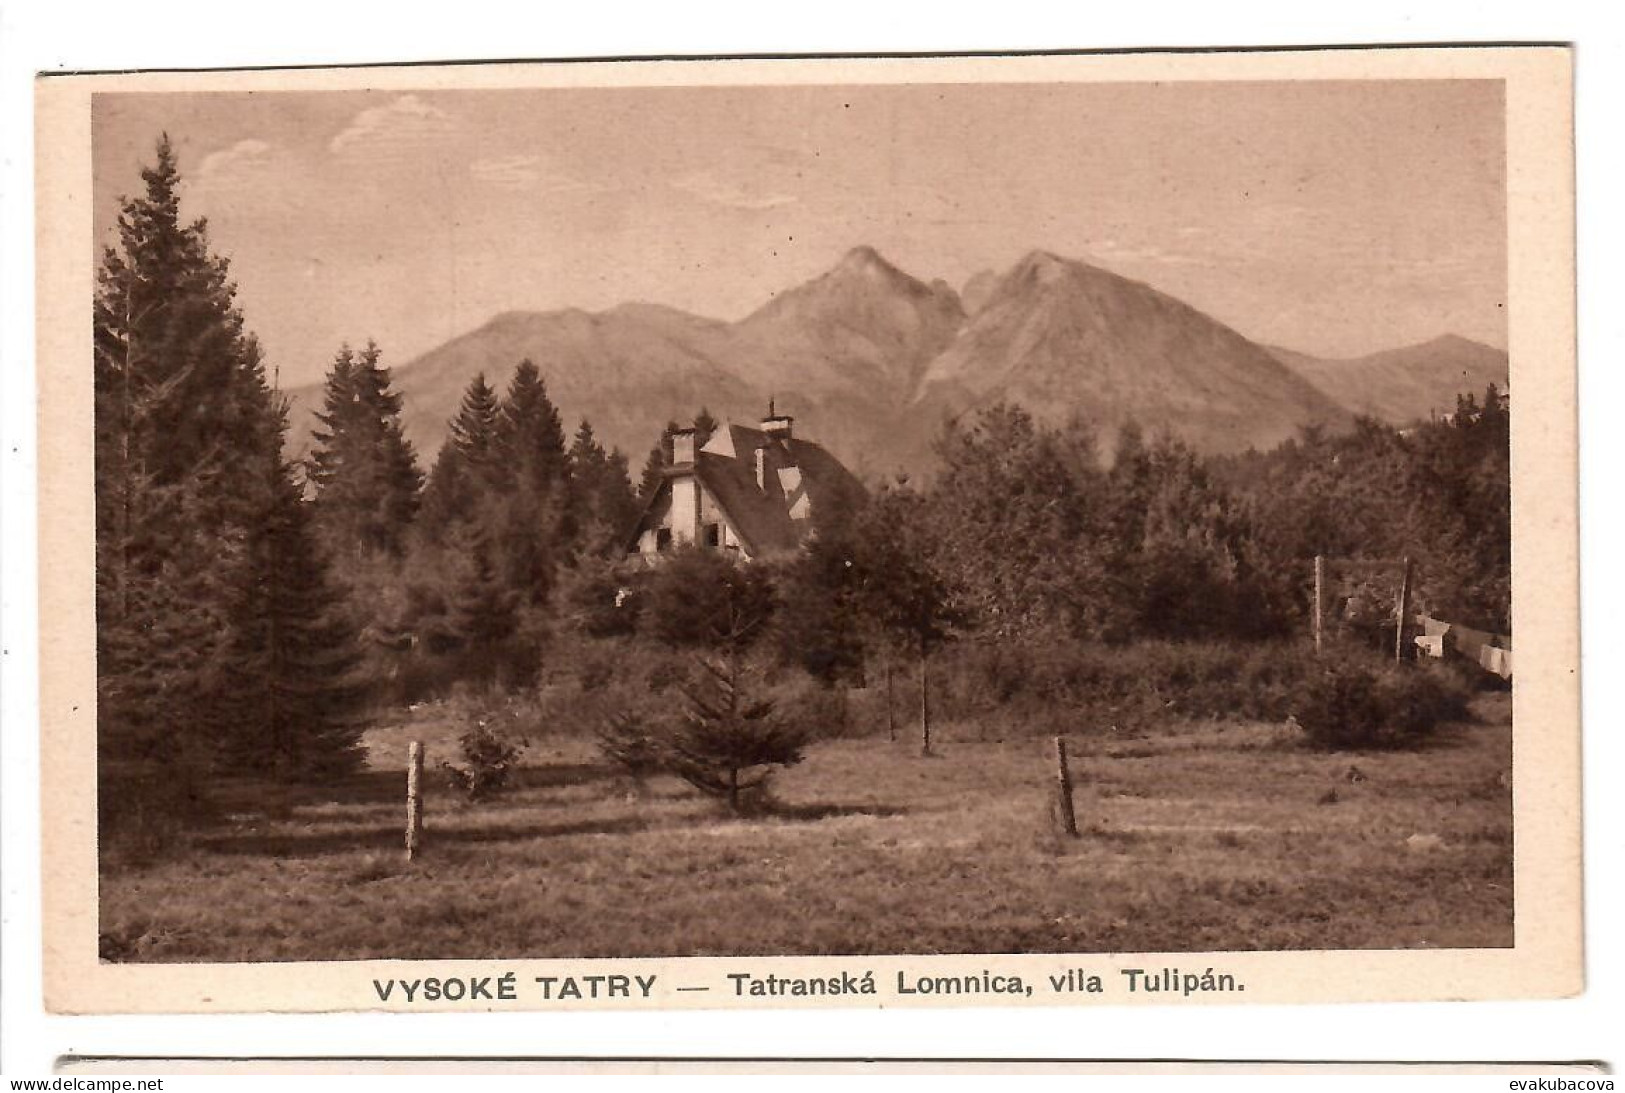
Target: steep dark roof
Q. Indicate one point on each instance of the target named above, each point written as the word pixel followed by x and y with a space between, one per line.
pixel 762 516
pixel 835 491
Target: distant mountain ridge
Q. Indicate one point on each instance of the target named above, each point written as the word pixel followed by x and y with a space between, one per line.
pixel 1059 336
pixel 873 361
pixel 1407 384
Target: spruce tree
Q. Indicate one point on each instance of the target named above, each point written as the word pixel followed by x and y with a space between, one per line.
pixel 448 499
pixel 183 418
pixel 469 464
pixel 295 695
pixel 534 529
pixel 476 430
pixel 705 426
pixel 727 742
pixel 601 493
pixel 530 431
pixel 617 499
pixel 727 739
pixel 659 458
pixel 363 471
pixel 654 472
pixel 483 609
pixel 192 534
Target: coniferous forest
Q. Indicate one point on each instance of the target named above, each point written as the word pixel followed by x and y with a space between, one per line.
pixel 256 612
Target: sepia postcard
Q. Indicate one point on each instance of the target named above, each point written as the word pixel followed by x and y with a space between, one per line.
pixel 840 532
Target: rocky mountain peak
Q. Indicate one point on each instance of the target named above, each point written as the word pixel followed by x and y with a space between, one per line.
pixel 875 360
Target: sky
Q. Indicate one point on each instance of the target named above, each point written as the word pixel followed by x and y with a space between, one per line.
pixel 1336 218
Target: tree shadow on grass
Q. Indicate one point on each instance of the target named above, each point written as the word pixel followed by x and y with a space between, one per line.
pixel 553 775
pixel 811 813
pixel 1446 736
pixel 376 787
pixel 375 838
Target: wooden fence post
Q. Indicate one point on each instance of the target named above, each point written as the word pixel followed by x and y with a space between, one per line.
pixel 1404 609
pixel 1063 790
pixel 925 703
pixel 414 799
pixel 1320 596
pixel 891 714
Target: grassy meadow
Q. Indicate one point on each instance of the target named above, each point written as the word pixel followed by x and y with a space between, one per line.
pixel 1217 836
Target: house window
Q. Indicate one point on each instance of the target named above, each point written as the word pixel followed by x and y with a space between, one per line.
pixel 713 535
pixel 663 539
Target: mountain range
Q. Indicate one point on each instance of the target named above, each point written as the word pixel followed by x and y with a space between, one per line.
pixel 1406 384
pixel 873 361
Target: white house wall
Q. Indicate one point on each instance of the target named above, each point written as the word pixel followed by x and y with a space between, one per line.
pixel 684 508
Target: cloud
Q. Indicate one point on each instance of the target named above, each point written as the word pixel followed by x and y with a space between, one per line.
pixel 230 168
pixel 707 187
pixel 526 173
pixel 785 157
pixel 1113 250
pixel 396 128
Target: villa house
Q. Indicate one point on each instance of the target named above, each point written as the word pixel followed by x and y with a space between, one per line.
pixel 758 491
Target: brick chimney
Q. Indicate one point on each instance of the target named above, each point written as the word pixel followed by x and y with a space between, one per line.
pixel 777 425
pixel 682 446
pixel 685 489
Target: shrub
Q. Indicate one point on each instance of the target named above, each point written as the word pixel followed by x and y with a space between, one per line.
pixel 632 743
pixel 490 750
pixel 602 599
pixel 724 742
pixel 1144 685
pixel 1350 703
pixel 814 711
pixel 705 599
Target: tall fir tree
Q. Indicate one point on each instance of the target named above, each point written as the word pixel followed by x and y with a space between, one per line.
pixel 295 692
pixel 534 519
pixel 363 471
pixel 182 414
pixel 530 431
pixel 476 431
pixel 187 512
pixel 483 608
pixel 469 463
pixel 654 467
pixel 601 493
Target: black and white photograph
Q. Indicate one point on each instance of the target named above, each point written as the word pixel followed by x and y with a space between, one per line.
pixel 919 532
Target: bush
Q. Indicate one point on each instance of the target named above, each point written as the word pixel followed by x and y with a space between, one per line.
pixel 725 741
pixel 490 750
pixel 812 710
pixel 1350 703
pixel 705 599
pixel 1144 685
pixel 632 743
pixel 602 599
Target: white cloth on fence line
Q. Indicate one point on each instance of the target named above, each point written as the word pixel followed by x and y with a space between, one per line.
pixel 1496 660
pixel 1431 644
pixel 1434 628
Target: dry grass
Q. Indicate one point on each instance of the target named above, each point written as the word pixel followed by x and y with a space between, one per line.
pixel 1225 837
